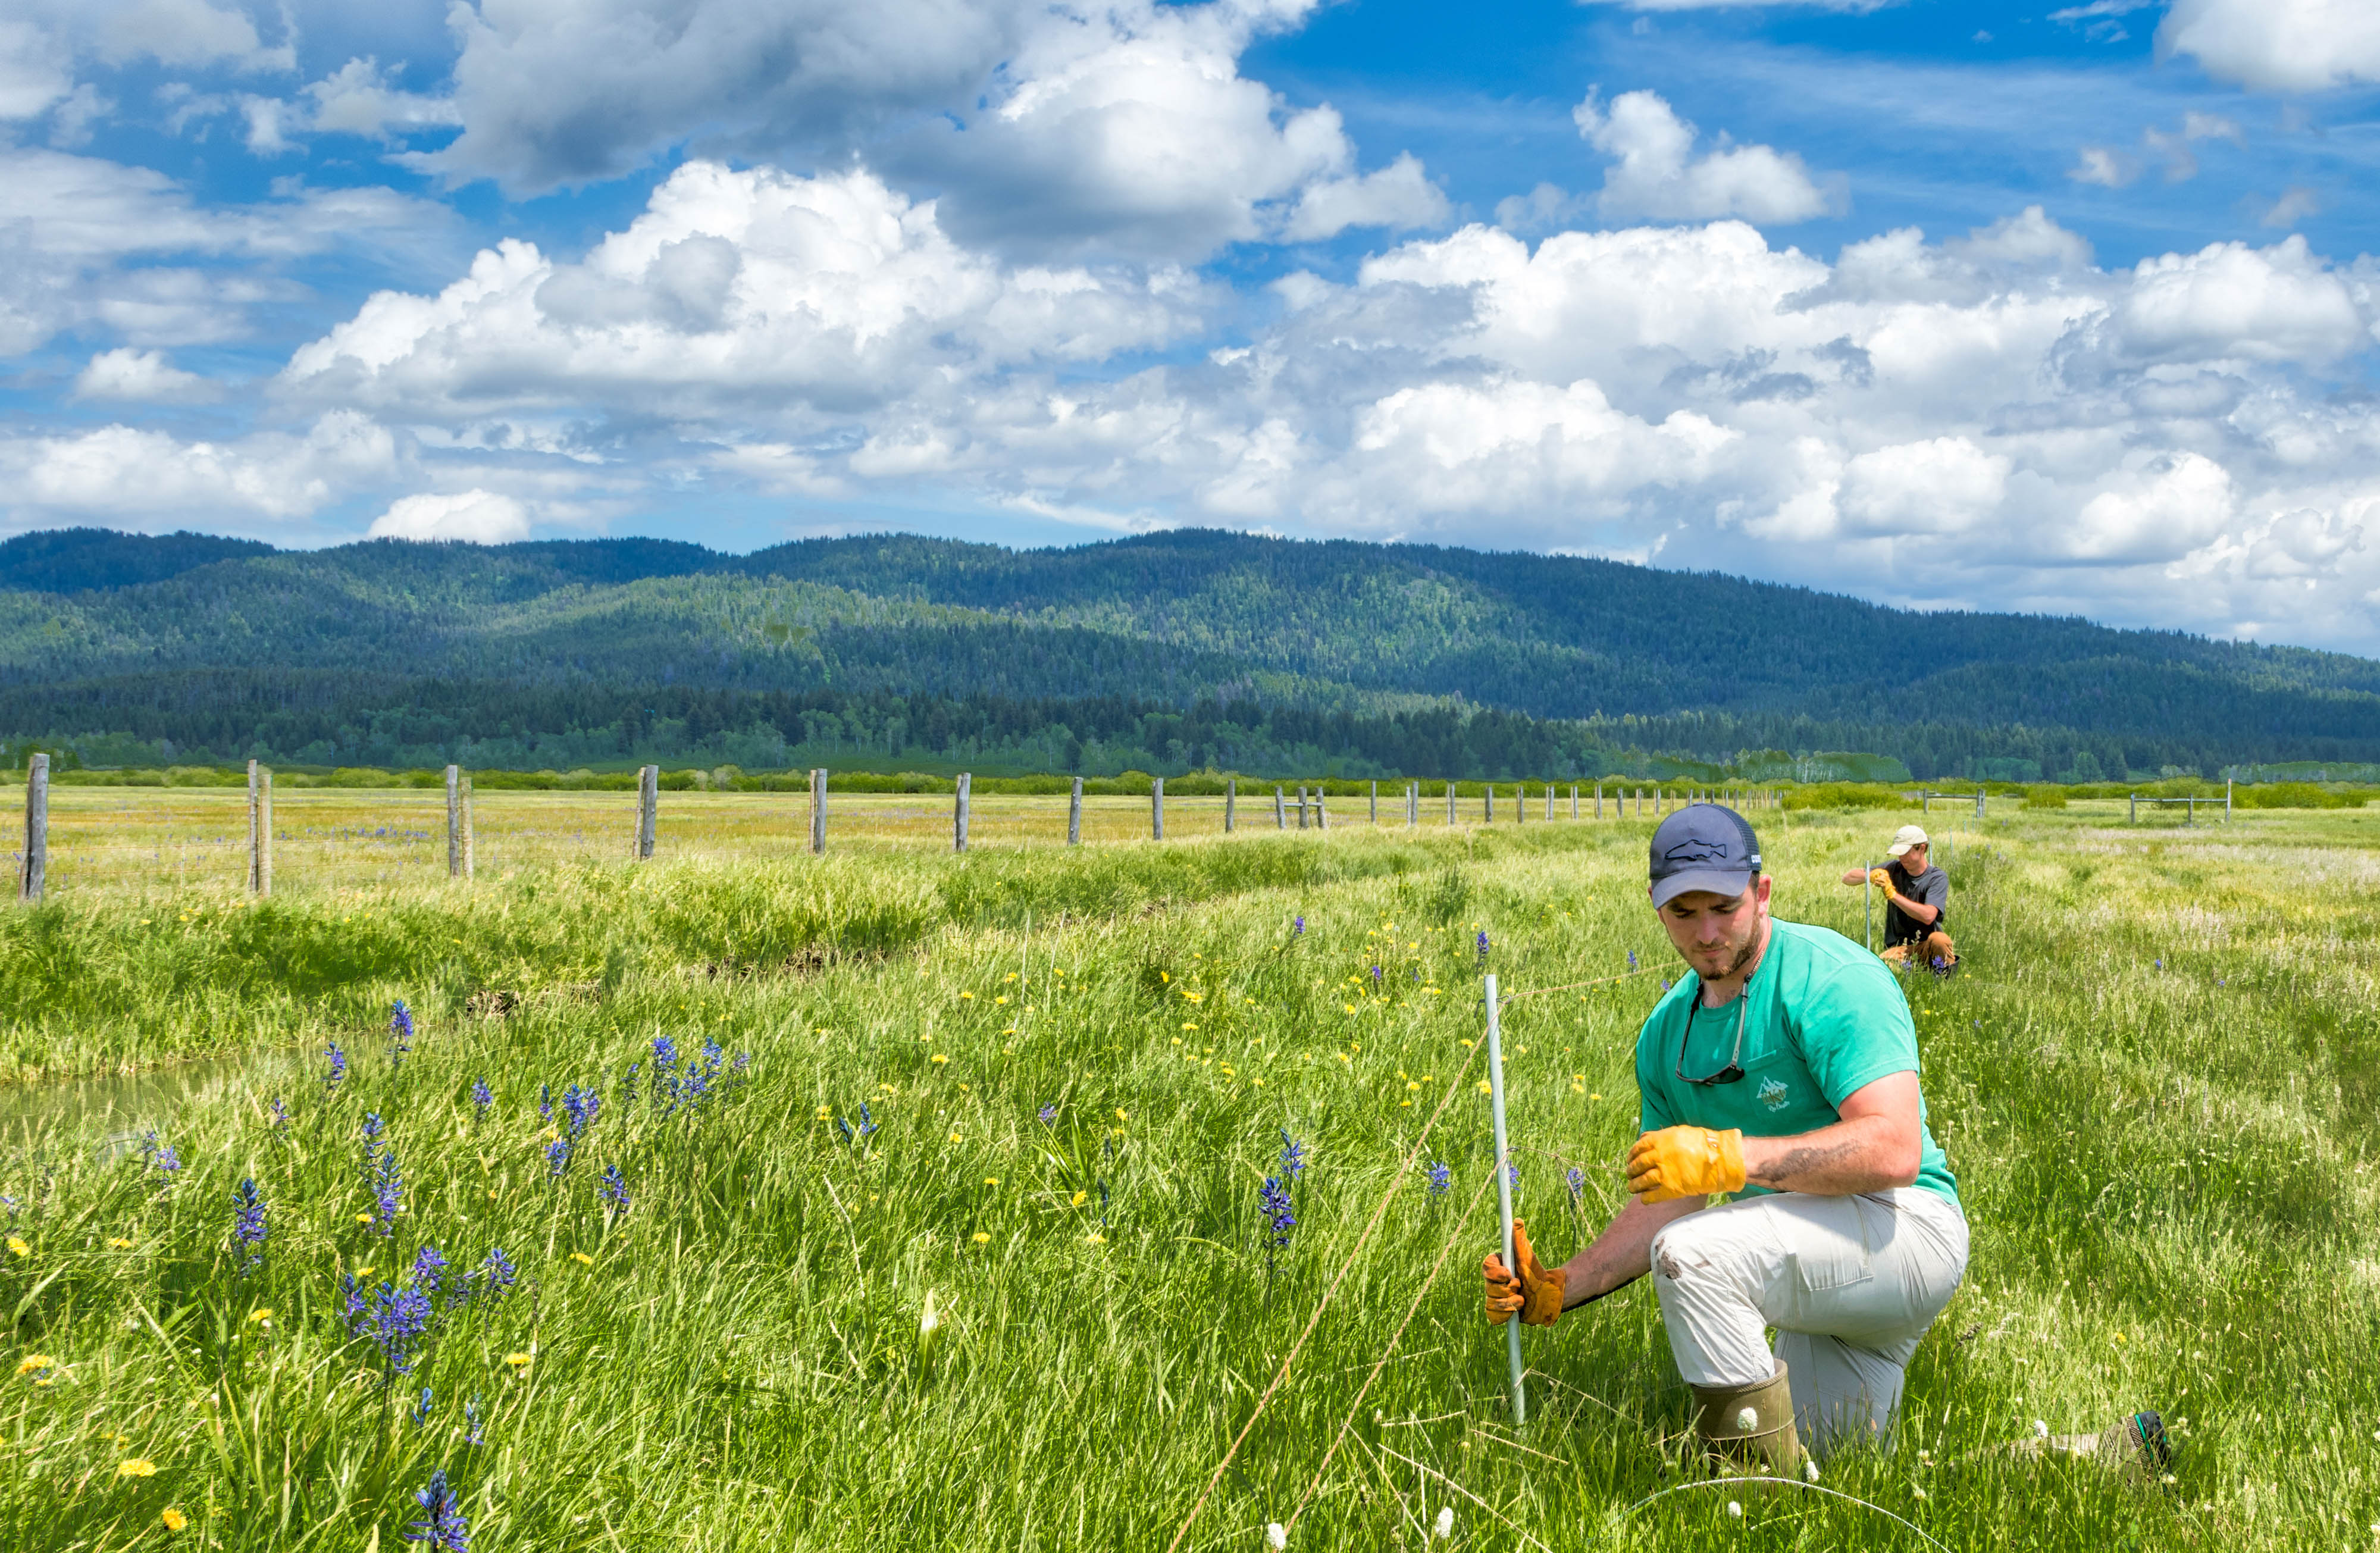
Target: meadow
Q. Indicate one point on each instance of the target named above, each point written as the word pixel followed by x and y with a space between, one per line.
pixel 744 1199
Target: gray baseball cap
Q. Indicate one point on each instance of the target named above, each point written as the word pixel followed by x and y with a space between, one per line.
pixel 1704 846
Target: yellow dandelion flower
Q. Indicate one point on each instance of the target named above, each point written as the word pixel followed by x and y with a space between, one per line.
pixel 33 1363
pixel 968 995
pixel 261 1315
pixel 1001 999
pixel 1010 977
pixel 1595 1097
pixel 175 1520
pixel 136 1466
pixel 582 1257
pixel 991 1180
pixel 967 1089
pixel 1404 1105
pixel 825 1112
pixel 1095 1238
pixel 117 1243
pixel 1189 1026
pixel 363 1272
pixel 519 1362
pixel 17 1244
pixel 957 1139
pixel 1080 1198
pixel 1121 1116
pixel 941 1056
pixel 363 1218
pixel 981 1238
pixel 1485 1087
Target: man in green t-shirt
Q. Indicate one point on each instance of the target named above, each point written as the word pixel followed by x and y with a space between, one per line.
pixel 1784 1071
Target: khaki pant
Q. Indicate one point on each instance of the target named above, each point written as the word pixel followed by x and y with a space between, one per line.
pixel 1850 1284
pixel 1938 947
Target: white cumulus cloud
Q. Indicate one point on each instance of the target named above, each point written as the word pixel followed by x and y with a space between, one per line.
pixel 144 375
pixel 1655 173
pixel 2278 46
pixel 479 517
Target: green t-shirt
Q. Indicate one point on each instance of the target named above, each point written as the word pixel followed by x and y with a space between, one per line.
pixel 1825 1019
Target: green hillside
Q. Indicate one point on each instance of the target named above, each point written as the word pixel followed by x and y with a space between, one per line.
pixel 1166 652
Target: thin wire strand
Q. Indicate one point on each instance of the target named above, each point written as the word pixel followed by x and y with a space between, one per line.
pixel 1789 1482
pixel 1394 1338
pixel 1328 1295
pixel 1575 986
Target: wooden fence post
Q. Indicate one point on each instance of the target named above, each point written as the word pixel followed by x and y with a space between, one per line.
pixel 1413 804
pixel 1074 815
pixel 1375 803
pixel 470 835
pixel 1280 809
pixel 30 877
pixel 1157 809
pixel 260 828
pixel 1488 810
pixel 1573 800
pixel 1321 809
pixel 959 811
pixel 649 804
pixel 1520 803
pixel 1449 800
pixel 454 822
pixel 2134 817
pixel 1598 800
pixel 1231 804
pixel 818 810
pixel 1301 806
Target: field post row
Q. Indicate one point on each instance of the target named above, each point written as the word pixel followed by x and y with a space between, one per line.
pixel 30 873
pixel 460 863
pixel 260 830
pixel 649 803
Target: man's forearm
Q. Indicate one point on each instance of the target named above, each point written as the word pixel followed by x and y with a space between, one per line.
pixel 1916 910
pixel 1623 1252
pixel 1866 1154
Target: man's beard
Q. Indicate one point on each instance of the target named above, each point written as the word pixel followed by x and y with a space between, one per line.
pixel 1743 953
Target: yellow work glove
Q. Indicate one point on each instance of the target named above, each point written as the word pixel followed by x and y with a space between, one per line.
pixel 1881 879
pixel 1685 1162
pixel 1536 1295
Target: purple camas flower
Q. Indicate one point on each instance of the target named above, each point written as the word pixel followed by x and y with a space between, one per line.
pixel 1631 959
pixel 248 1225
pixel 579 1106
pixel 1513 1173
pixel 628 1085
pixel 1441 1176
pixel 557 1157
pixel 497 1275
pixel 1482 949
pixel 1376 978
pixel 1292 1159
pixel 614 1189
pixel 338 1066
pixel 1048 1114
pixel 442 1524
pixel 665 1052
pixel 429 1271
pixel 280 1116
pixel 400 1033
pixel 546 1102
pixel 472 1423
pixel 482 1098
pixel 867 1123
pixel 396 1317
pixel 844 1128
pixel 387 1181
pixel 1298 926
pixel 1280 1219
pixel 421 1408
pixel 1577 1182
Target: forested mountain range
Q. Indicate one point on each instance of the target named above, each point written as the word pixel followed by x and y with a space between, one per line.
pixel 1163 652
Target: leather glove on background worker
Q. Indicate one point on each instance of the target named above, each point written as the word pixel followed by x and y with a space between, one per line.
pixel 1685 1162
pixel 1536 1295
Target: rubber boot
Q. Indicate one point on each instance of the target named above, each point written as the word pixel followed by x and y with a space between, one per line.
pixel 1749 1429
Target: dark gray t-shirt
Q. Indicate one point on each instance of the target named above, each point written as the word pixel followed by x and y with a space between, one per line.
pixel 1931 888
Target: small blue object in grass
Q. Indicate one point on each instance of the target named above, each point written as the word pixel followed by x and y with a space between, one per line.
pixel 396 1318
pixel 280 1115
pixel 614 1189
pixel 867 1123
pixel 481 1097
pixel 1292 1159
pixel 387 1180
pixel 160 1155
pixel 248 1230
pixel 473 1424
pixel 1576 1181
pixel 1441 1176
pixel 1273 1202
pixel 1482 949
pixel 496 1277
pixel 546 1102
pixel 557 1157
pixel 628 1085
pixel 338 1066
pixel 429 1271
pixel 579 1105
pixel 442 1524
pixel 1298 926
pixel 2160 965
pixel 1048 1114
pixel 1513 1173
pixel 400 1033
pixel 843 1129
pixel 421 1408
pixel 1631 959
pixel 1376 978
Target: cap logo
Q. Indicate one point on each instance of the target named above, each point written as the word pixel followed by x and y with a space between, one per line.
pixel 1696 851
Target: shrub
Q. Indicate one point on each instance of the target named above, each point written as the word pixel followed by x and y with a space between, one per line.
pixel 2044 798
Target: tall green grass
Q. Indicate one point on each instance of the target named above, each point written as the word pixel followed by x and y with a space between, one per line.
pixel 2166 1166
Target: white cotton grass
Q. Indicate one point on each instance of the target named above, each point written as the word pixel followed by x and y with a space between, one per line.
pixel 1445 1527
pixel 1276 1535
pixel 2040 1430
pixel 1809 1469
pixel 1746 1421
pixel 1735 1507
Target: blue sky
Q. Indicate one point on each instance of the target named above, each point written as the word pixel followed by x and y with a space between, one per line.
pixel 2009 307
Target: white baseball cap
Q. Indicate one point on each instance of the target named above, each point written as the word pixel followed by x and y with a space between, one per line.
pixel 1905 838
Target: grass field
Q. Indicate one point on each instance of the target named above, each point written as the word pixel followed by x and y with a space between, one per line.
pixel 2156 1079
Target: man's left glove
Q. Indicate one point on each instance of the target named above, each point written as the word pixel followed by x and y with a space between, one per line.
pixel 1881 878
pixel 1536 1295
pixel 1685 1162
